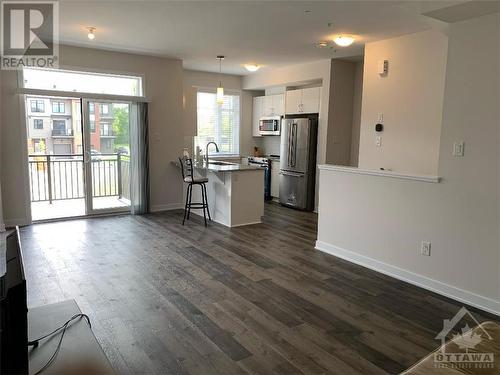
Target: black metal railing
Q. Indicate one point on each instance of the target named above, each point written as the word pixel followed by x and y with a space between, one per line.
pixel 62 176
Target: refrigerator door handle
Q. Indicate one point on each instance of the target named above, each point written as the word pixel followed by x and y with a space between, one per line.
pixel 288 157
pixel 293 174
pixel 294 144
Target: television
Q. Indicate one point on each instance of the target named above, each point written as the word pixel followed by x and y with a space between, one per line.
pixel 13 306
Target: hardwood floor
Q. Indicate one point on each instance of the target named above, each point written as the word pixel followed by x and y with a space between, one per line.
pixel 168 299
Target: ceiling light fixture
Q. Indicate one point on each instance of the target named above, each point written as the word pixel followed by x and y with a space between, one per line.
pixel 252 67
pixel 220 90
pixel 343 40
pixel 91 34
pixel 321 44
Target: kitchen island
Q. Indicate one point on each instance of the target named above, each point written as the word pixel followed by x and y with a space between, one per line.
pixel 235 192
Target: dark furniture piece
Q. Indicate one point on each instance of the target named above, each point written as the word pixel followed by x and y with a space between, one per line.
pixel 13 306
pixel 189 178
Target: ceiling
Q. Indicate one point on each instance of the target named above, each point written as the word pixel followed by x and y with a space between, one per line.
pixel 269 33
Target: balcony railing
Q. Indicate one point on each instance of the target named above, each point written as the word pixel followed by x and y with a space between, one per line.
pixel 107 132
pixel 64 132
pixel 61 176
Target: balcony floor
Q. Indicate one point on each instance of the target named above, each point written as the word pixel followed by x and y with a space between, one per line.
pixel 72 207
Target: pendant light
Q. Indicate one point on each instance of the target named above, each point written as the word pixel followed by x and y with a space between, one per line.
pixel 220 89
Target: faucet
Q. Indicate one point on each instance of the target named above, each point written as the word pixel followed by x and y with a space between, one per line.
pixel 206 149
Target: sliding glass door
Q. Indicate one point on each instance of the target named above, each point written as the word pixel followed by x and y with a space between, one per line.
pixel 106 129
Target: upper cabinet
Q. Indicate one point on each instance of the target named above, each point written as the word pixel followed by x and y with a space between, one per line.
pixel 266 106
pixel 303 101
pixel 273 105
pixel 257 114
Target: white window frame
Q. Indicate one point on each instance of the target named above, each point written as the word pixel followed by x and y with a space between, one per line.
pixel 211 150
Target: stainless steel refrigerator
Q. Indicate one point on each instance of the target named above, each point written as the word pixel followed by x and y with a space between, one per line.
pixel 298 161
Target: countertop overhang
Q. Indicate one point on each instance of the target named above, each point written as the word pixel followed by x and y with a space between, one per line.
pixel 233 167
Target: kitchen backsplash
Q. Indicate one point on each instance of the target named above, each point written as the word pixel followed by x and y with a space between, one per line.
pixel 271 145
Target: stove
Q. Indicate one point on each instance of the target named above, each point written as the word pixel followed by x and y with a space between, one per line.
pixel 265 163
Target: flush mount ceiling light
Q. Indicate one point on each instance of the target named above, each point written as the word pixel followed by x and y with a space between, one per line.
pixel 220 90
pixel 252 67
pixel 91 33
pixel 321 44
pixel 343 40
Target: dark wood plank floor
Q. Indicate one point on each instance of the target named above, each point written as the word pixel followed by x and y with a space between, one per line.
pixel 168 299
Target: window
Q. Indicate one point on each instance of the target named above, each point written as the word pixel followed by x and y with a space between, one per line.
pixel 91 108
pixel 59 127
pixel 219 123
pixel 39 145
pixel 58 107
pixel 38 123
pixel 37 106
pixel 104 109
pixel 76 81
pixel 92 126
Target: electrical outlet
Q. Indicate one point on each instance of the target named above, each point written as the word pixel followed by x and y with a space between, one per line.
pixel 378 141
pixel 425 248
pixel 459 148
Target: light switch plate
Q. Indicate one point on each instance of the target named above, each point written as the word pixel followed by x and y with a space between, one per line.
pixel 459 148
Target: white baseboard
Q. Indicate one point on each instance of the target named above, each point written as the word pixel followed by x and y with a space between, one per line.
pixel 166 207
pixel 243 224
pixel 470 298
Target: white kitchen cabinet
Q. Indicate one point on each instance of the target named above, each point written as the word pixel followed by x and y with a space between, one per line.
pixel 310 100
pixel 257 114
pixel 273 105
pixel 279 104
pixel 293 102
pixel 303 101
pixel 275 179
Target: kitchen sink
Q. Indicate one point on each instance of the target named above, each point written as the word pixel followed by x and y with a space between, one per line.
pixel 220 163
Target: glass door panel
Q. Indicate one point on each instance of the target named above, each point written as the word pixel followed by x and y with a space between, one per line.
pixel 107 156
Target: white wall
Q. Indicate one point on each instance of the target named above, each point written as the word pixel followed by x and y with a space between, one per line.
pixel 380 222
pixel 164 80
pixel 411 100
pixel 229 82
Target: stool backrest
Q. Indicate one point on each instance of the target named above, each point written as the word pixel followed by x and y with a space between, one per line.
pixel 186 167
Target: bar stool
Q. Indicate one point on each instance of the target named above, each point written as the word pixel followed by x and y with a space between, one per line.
pixel 190 180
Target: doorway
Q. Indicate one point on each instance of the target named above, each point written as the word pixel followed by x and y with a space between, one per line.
pixel 78 156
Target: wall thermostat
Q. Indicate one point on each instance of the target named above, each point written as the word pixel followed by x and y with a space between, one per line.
pixel 379 127
pixel 383 67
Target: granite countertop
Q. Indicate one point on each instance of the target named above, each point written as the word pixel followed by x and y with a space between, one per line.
pixel 226 167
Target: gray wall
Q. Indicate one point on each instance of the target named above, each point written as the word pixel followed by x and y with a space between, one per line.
pixel 164 80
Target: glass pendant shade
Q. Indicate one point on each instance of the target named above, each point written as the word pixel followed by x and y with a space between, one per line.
pixel 220 95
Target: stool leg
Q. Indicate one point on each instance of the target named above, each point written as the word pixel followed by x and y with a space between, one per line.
pixel 203 203
pixel 206 200
pixel 190 192
pixel 186 205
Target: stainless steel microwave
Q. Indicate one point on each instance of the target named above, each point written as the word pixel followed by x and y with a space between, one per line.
pixel 270 125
